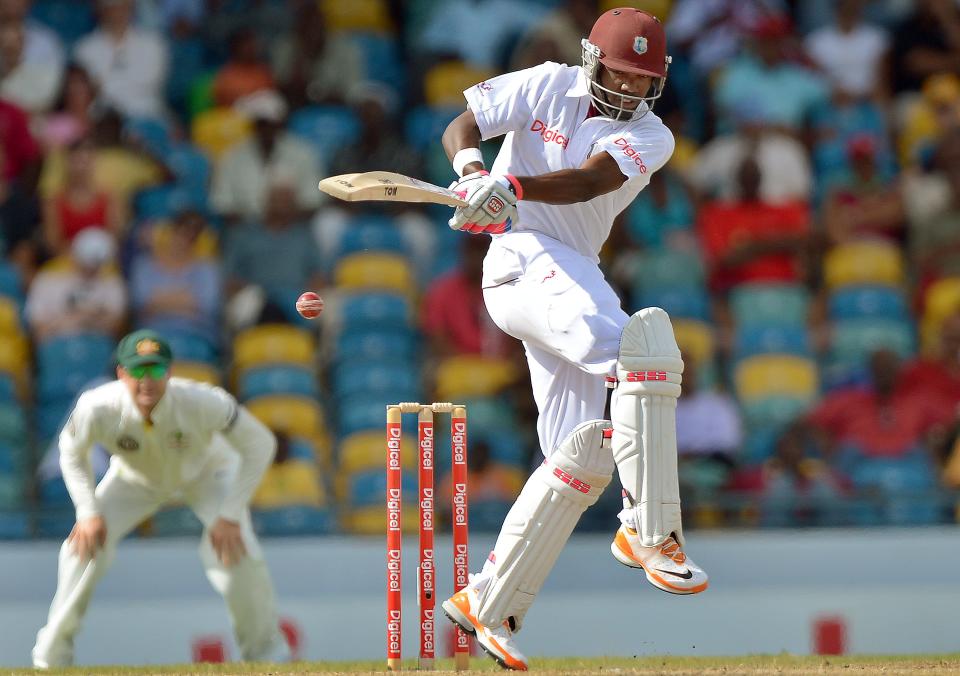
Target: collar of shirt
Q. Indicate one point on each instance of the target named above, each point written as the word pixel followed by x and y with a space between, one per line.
pixel 159 413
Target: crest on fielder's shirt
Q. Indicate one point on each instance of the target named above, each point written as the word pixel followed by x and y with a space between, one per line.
pixel 640 44
pixel 178 440
pixel 128 443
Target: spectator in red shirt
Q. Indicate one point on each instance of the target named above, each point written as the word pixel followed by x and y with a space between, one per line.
pixel 750 240
pixel 937 381
pixel 22 154
pixel 453 314
pixel 883 420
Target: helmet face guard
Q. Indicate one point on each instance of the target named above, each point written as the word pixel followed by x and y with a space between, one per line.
pixel 614 104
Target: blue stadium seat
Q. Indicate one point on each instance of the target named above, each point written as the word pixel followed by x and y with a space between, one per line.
pixel 868 302
pixel 906 483
pixel 14 526
pixel 680 302
pixel 13 424
pixel 293 520
pixel 394 342
pixel 374 310
pixel 327 128
pixel 164 201
pixel 68 18
pixel 774 411
pixel 10 284
pixel 426 124
pixel 396 379
pixel 370 486
pixel 149 132
pixel 760 443
pixel 188 347
pixel 191 167
pixel 178 521
pixel 855 339
pixel 768 304
pixel 67 363
pixel 264 380
pixel 669 268
pixel 758 339
pixel 50 416
pixel 371 233
pixel 8 388
pixel 382 60
pixel 302 449
pixel 53 493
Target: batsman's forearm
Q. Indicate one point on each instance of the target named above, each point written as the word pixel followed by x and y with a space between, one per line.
pixel 78 477
pixel 256 445
pixel 462 133
pixel 567 186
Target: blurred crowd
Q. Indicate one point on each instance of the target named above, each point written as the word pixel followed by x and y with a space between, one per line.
pixel 159 168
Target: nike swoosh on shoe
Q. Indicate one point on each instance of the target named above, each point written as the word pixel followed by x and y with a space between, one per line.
pixel 685 576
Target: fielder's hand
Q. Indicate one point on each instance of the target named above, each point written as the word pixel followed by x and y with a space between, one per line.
pixel 227 542
pixel 88 536
pixel 491 203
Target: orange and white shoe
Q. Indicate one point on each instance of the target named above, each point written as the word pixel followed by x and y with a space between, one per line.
pixel 497 641
pixel 666 566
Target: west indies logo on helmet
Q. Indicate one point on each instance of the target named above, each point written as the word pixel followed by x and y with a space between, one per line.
pixel 626 40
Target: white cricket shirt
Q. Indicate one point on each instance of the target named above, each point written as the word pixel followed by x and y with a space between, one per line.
pixel 171 450
pixel 543 111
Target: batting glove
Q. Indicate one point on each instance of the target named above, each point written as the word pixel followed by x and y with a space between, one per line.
pixel 491 203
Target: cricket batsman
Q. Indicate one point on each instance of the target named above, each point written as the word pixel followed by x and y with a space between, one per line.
pixel 169 439
pixel 580 143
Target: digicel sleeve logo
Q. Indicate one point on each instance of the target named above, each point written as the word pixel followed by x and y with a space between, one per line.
pixel 630 152
pixel 549 135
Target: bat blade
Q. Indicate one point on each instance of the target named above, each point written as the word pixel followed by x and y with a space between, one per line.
pixel 387 186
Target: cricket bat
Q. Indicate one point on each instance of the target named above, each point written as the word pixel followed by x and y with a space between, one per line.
pixel 387 186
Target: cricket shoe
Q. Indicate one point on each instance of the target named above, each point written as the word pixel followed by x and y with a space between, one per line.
pixel 666 566
pixel 497 641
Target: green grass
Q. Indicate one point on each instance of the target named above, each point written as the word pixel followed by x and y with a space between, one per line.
pixel 727 666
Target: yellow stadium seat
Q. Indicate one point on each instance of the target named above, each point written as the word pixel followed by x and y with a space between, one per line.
pixel 204 373
pixel 295 416
pixel 294 482
pixel 444 83
pixel 373 520
pixel 768 375
pixel 273 344
pixel 9 317
pixel 942 299
pixel 863 262
pixel 216 130
pixel 368 450
pixel 695 338
pixel 15 357
pixel 467 376
pixel 357 15
pixel 380 271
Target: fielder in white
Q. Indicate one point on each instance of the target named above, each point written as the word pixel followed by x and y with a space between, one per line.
pixel 169 438
pixel 580 143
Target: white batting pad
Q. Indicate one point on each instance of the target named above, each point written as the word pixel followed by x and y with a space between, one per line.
pixel 542 519
pixel 644 414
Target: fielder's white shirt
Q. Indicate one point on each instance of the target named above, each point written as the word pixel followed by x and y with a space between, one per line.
pixel 543 113
pixel 171 450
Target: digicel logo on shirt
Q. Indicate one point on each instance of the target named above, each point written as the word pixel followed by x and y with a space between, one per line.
pixel 549 135
pixel 629 151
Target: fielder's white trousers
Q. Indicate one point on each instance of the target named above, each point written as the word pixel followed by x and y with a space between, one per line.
pixel 246 586
pixel 557 302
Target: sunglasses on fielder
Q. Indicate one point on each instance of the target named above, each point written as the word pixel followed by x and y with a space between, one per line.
pixel 152 371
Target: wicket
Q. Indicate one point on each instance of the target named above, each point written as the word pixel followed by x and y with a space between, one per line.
pixel 426 572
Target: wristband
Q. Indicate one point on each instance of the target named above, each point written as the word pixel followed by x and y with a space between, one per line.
pixel 464 157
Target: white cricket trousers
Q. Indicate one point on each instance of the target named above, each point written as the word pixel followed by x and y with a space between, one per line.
pixel 569 320
pixel 246 586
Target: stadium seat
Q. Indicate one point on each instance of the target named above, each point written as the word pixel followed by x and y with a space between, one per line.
pixel 9 316
pixel 373 520
pixel 868 302
pixel 393 342
pixel 783 339
pixel 366 488
pixel 189 347
pixel 293 520
pixel 67 363
pixel 373 310
pixel 370 233
pixel 151 133
pixel 669 268
pixel 14 526
pixel 163 202
pixel 175 520
pixel 295 416
pixel 382 61
pixel 70 19
pixel 273 344
pixel 204 373
pixel 379 379
pixel 11 492
pixel 8 389
pixel 905 484
pixel 292 482
pixel 375 271
pixel 872 262
pixel 326 128
pixel 679 302
pixel 217 130
pixel 769 304
pixel 941 299
pixel 51 414
pixel 444 83
pixel 191 167
pixel 426 124
pixel 769 375
pixel 760 443
pixel 360 414
pixel 774 411
pixel 10 283
pixel 265 380
pixel 364 451
pixel 357 15
pixel 854 340
pixel 465 376
pixel 697 342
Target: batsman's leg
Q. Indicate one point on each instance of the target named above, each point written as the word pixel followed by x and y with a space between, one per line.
pixel 534 532
pixel 246 586
pixel 643 410
pixel 123 505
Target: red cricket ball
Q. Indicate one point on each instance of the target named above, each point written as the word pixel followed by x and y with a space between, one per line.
pixel 309 305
